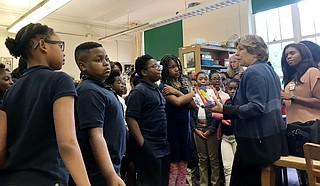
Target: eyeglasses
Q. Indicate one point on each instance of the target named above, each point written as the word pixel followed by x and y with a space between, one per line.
pixel 155 66
pixel 60 44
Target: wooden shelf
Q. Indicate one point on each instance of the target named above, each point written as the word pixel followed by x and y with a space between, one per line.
pixel 213 66
pixel 190 56
pixel 220 48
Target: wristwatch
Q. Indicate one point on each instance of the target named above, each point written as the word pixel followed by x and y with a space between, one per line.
pixel 293 97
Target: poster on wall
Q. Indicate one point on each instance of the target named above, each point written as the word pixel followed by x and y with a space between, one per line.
pixel 128 68
pixel 8 62
pixel 188 59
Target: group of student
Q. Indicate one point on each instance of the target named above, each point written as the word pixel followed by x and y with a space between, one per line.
pixel 60 131
pixel 39 144
pixel 52 133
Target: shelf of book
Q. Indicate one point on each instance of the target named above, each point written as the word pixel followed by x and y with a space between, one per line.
pixel 200 57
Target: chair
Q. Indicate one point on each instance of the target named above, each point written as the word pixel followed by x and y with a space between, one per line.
pixel 311 153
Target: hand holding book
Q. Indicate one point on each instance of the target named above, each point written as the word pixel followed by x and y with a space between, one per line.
pixel 204 95
pixel 207 96
pixel 218 107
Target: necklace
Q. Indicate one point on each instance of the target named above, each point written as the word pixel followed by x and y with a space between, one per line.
pixel 180 85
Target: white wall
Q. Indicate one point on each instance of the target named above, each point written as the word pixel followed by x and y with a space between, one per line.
pixel 122 50
pixel 218 25
pixel 3 50
pixel 213 26
pixel 117 50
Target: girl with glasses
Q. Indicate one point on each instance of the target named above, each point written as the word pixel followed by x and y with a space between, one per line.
pixel 38 144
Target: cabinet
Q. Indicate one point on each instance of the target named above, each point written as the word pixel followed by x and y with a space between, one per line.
pixel 201 57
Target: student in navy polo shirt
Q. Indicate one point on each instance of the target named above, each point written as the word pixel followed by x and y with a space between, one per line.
pixel 101 129
pixel 39 141
pixel 147 122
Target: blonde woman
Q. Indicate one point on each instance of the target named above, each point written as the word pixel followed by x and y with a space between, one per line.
pixel 234 66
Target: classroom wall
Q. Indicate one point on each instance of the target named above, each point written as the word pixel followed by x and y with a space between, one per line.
pixel 218 25
pixel 122 50
pixel 3 50
pixel 117 50
pixel 213 26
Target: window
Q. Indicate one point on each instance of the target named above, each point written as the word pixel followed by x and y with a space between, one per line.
pixel 309 18
pixel 288 24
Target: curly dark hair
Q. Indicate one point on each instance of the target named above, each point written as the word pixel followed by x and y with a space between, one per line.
pixel 112 77
pixel 142 63
pixel 3 68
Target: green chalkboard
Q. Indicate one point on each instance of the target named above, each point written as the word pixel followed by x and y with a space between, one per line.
pixel 264 5
pixel 164 40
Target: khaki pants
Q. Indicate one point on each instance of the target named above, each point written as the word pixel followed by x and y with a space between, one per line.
pixel 208 154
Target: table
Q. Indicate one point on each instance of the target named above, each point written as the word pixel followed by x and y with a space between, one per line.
pixel 269 173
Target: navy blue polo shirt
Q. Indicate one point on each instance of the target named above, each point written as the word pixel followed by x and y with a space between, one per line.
pixel 33 156
pixel 98 106
pixel 146 104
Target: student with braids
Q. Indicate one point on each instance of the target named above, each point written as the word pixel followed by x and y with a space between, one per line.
pixel 39 140
pixel 5 80
pixel 179 100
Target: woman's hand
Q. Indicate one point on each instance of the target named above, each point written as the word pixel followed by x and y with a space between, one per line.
pixel 285 96
pixel 218 107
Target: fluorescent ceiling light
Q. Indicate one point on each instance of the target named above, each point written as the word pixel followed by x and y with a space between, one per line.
pixel 205 7
pixel 37 13
pixel 133 30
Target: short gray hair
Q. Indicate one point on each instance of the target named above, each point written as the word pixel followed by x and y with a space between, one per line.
pixel 255 46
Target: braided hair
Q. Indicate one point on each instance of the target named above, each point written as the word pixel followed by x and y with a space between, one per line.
pixel 23 44
pixel 165 76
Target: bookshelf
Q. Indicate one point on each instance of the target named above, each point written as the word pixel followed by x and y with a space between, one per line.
pixel 202 57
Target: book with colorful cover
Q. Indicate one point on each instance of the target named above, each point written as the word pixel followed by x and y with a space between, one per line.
pixel 204 96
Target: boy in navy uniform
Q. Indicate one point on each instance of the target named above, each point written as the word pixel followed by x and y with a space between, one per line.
pixel 101 128
pixel 147 122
